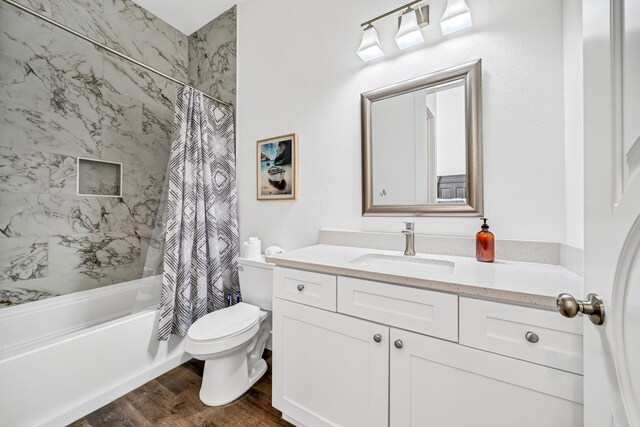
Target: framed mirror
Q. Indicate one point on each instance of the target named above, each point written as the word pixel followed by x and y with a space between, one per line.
pixel 422 147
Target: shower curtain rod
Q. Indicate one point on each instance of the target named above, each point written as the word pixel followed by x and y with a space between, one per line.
pixel 109 49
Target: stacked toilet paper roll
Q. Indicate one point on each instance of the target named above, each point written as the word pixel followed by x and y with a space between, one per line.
pixel 252 249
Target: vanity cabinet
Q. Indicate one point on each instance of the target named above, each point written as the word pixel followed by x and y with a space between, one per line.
pixel 438 383
pixel 329 369
pixel 382 354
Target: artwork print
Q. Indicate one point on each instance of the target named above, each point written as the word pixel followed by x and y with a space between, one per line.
pixel 277 168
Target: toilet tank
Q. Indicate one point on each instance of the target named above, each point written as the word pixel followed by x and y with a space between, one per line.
pixel 256 282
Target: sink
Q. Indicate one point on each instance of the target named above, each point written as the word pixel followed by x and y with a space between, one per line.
pixel 404 264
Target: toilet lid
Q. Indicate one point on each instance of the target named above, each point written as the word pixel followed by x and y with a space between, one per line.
pixel 224 323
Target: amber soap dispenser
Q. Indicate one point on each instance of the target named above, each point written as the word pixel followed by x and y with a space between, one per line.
pixel 485 244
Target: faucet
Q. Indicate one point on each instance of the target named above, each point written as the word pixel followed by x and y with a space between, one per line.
pixel 409 246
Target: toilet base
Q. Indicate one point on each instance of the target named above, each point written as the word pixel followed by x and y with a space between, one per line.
pixel 224 380
pixel 229 373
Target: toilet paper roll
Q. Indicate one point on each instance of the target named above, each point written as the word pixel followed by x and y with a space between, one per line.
pixel 273 250
pixel 252 249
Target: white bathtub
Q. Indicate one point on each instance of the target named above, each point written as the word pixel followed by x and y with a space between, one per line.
pixel 64 357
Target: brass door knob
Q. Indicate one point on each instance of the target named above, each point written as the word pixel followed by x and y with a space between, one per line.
pixel 593 307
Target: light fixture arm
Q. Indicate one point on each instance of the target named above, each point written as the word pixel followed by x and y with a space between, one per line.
pixel 396 10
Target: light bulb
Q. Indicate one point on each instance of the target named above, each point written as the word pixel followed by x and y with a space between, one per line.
pixel 409 33
pixel 457 16
pixel 370 45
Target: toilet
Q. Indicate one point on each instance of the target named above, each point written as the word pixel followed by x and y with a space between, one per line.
pixel 231 340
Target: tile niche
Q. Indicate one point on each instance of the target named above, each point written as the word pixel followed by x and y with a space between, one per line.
pixel 99 178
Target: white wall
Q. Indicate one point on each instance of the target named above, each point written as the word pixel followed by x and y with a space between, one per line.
pixel 452 158
pixel 573 130
pixel 298 72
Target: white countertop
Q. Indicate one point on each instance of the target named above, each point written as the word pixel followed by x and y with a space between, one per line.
pixel 509 281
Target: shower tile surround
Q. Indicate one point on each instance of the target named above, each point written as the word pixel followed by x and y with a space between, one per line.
pixel 60 99
pixel 212 57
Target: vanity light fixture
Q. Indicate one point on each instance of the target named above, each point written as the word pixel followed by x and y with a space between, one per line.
pixel 410 22
pixel 409 33
pixel 457 16
pixel 370 45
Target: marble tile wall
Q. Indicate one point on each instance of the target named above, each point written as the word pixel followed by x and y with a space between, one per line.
pixel 60 99
pixel 212 57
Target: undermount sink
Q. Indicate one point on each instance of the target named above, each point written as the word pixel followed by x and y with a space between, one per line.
pixel 404 264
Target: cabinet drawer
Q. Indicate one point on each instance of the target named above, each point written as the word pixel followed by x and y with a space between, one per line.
pixel 503 328
pixel 305 287
pixel 418 310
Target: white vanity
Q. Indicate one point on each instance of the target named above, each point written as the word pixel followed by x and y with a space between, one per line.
pixel 366 337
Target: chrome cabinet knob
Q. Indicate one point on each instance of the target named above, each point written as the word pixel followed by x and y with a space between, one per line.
pixel 593 307
pixel 532 337
pixel 398 344
pixel 377 338
pixel 300 287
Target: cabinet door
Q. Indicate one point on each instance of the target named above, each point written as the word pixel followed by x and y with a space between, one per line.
pixel 329 369
pixel 438 383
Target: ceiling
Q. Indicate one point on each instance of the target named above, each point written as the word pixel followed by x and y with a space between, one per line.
pixel 187 16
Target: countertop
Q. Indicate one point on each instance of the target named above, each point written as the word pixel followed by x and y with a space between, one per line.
pixel 507 281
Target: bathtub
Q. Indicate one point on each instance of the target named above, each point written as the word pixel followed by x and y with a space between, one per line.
pixel 63 357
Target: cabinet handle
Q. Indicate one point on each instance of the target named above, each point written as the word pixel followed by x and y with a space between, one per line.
pixel 300 287
pixel 377 338
pixel 532 337
pixel 398 344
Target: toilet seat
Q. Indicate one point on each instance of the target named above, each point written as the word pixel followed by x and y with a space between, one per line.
pixel 224 323
pixel 223 329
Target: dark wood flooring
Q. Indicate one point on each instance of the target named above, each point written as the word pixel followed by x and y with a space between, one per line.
pixel 172 400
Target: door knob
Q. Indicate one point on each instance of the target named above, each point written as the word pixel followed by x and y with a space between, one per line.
pixel 593 307
pixel 300 287
pixel 398 344
pixel 377 338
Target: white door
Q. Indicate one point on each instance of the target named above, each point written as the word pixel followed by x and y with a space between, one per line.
pixel 329 369
pixel 439 383
pixel 611 35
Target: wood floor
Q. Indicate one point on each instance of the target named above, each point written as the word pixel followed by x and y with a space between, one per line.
pixel 172 400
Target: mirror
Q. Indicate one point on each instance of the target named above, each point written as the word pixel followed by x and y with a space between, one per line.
pixel 421 145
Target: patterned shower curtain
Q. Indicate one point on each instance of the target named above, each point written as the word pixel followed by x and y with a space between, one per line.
pixel 201 243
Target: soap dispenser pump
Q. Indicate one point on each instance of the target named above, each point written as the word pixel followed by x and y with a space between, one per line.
pixel 485 246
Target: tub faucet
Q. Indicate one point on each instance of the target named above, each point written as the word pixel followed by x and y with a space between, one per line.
pixel 409 244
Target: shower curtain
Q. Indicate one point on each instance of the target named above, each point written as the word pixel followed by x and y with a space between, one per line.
pixel 201 243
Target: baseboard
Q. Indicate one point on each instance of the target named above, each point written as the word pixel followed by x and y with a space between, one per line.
pixel 109 396
pixel 292 421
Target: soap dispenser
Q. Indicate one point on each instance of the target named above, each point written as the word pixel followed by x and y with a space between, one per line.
pixel 485 246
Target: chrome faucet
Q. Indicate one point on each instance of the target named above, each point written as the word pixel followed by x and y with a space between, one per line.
pixel 409 245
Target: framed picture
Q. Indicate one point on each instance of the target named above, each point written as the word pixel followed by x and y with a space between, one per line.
pixel 277 168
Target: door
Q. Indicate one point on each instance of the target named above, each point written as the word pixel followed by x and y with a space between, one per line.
pixel 611 36
pixel 438 383
pixel 329 369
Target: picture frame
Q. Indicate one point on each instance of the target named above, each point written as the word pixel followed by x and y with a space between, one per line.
pixel 277 168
